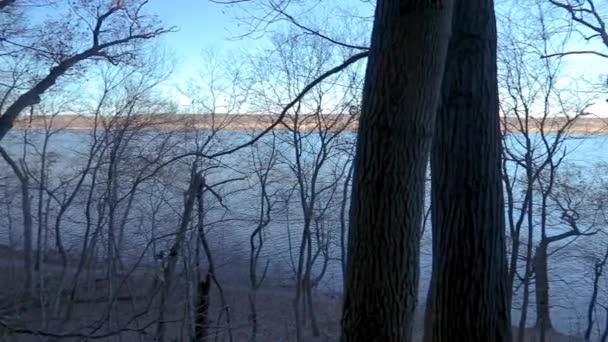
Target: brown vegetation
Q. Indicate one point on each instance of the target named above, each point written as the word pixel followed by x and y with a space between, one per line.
pixel 261 121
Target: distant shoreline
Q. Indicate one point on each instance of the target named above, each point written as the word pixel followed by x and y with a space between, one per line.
pixel 587 125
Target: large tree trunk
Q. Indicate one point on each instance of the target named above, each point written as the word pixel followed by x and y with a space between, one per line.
pixel 543 317
pixel 400 97
pixel 468 296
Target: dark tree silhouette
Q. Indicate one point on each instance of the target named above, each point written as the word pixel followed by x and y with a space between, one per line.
pixel 402 86
pixel 468 296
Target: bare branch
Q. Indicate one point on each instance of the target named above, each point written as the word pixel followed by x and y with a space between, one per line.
pixel 584 52
pixel 96 50
pixel 316 32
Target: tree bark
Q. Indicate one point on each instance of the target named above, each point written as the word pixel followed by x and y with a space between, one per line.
pixel 468 295
pixel 202 310
pixel 400 96
pixel 543 317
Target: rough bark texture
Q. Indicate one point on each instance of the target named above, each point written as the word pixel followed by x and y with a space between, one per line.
pixel 468 296
pixel 400 97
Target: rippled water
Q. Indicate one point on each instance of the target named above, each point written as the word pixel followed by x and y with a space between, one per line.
pixel 569 270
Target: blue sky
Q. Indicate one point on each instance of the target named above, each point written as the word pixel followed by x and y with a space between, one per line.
pixel 206 26
pixel 202 25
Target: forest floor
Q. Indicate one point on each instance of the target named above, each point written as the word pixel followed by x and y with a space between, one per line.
pixel 134 310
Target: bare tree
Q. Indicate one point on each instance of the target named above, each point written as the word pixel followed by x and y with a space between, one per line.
pixel 538 116
pixel 264 159
pixel 172 257
pixel 26 207
pixel 590 22
pixel 314 139
pixel 115 29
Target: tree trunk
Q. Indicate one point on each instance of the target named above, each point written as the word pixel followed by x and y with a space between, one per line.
pixel 521 330
pixel 543 318
pixel 202 310
pixel 468 296
pixel 28 252
pixel 597 275
pixel 253 315
pixel 26 209
pixel 172 258
pixel 402 85
pixel 513 262
pixel 592 303
pixel 314 325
